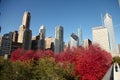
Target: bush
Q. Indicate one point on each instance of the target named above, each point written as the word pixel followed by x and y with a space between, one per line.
pixel 77 64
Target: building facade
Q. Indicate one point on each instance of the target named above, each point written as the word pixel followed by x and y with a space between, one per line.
pixel 27 33
pixel 101 37
pixel 87 43
pixel 59 43
pixel 50 43
pixel 119 48
pixel 25 25
pixel 6 43
pixel 109 25
pixel 80 37
pixel 74 40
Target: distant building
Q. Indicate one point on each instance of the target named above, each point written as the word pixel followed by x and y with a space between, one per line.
pixel 50 43
pixel 8 44
pixel 74 40
pixel 87 43
pixel 80 37
pixel 101 37
pixel 25 25
pixel 15 36
pixel 67 46
pixel 119 47
pixel 109 25
pixel 41 37
pixel 59 43
pixel 27 39
pixel 27 35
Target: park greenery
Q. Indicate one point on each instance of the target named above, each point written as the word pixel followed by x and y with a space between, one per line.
pixel 79 63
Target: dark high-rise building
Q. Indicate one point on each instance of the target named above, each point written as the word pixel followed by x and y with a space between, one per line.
pixel 59 43
pixel 27 34
pixel 15 36
pixel 6 43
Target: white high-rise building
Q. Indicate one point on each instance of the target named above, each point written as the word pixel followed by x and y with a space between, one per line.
pixel 74 40
pixel 100 36
pixel 41 40
pixel 25 25
pixel 109 25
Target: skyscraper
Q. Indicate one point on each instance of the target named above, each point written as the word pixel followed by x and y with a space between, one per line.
pixel 41 40
pixel 59 43
pixel 109 25
pixel 73 40
pixel 25 25
pixel 27 33
pixel 80 37
pixel 15 36
pixel 100 36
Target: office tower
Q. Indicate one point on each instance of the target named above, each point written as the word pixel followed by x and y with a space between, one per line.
pixel 6 43
pixel 50 43
pixel 109 25
pixel 73 40
pixel 119 47
pixel 41 40
pixel 59 43
pixel 100 36
pixel 25 25
pixel 80 37
pixel 27 33
pixel 15 36
pixel 27 39
pixel 87 43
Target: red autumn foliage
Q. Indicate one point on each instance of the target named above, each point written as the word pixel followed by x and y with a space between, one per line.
pixel 90 63
pixel 21 55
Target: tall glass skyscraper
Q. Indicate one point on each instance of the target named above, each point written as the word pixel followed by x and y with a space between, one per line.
pixel 109 25
pixel 80 37
pixel 59 43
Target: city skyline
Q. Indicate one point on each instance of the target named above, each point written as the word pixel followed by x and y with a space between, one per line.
pixel 70 14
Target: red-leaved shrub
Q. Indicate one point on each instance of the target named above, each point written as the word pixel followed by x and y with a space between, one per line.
pixel 89 63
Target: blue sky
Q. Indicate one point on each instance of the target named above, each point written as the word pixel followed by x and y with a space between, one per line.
pixel 71 14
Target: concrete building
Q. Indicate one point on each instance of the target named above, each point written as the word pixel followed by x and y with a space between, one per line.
pixel 15 36
pixel 9 43
pixel 41 37
pixel 87 43
pixel 59 43
pixel 119 48
pixel 100 36
pixel 74 40
pixel 27 35
pixel 109 25
pixel 6 43
pixel 25 25
pixel 50 43
pixel 27 39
